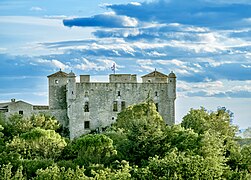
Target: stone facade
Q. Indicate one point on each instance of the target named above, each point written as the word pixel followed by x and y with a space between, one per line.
pixel 84 106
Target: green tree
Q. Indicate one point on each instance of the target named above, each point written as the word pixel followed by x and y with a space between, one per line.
pixel 7 174
pixel 200 120
pixel 246 157
pixel 16 124
pixel 179 165
pixel 138 132
pixel 91 149
pixel 121 172
pixel 56 173
pixel 38 143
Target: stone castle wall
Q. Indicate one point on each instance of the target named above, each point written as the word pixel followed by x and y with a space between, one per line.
pixel 102 97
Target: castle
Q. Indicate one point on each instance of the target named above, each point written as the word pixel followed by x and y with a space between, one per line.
pixel 84 106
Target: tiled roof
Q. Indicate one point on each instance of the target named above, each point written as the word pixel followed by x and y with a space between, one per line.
pixel 155 74
pixel 58 74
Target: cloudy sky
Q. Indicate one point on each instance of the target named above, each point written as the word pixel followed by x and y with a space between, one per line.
pixel 207 43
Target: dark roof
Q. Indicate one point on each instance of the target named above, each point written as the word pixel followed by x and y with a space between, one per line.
pixel 155 74
pixel 58 74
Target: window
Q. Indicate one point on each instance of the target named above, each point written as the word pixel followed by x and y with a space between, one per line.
pixel 86 94
pixel 118 93
pixel 72 93
pixel 112 118
pixel 123 105
pixel 156 93
pixel 157 107
pixel 56 81
pixel 115 106
pixel 86 107
pixel 21 112
pixel 87 124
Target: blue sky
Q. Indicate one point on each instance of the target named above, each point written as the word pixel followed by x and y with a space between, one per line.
pixel 207 43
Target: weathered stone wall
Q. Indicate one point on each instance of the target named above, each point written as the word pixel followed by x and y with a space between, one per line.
pixel 20 107
pixel 101 98
pixel 57 92
pixel 154 79
pixel 118 78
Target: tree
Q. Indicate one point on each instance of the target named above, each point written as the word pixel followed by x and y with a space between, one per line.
pixel 56 173
pixel 143 115
pixel 7 174
pixel 38 143
pixel 16 124
pixel 200 120
pixel 140 129
pixel 91 149
pixel 121 172
pixel 179 165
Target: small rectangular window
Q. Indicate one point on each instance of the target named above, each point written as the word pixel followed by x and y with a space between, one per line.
pixel 21 112
pixel 86 107
pixel 157 107
pixel 156 93
pixel 123 105
pixel 118 93
pixel 115 106
pixel 87 124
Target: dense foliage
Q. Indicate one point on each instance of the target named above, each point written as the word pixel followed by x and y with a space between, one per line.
pixel 138 146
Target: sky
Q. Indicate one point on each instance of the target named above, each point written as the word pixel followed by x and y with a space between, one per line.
pixel 206 43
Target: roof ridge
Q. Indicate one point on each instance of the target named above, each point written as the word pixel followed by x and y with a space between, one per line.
pixel 154 74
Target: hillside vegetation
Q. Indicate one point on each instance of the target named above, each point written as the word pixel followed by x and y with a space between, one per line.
pixel 138 146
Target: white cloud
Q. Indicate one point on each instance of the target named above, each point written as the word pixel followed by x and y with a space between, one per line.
pixel 36 8
pixel 246 66
pixel 147 68
pixel 59 64
pixel 135 3
pixel 129 22
pixel 3 49
pixel 97 65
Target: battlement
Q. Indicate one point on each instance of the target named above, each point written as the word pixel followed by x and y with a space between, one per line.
pixel 122 78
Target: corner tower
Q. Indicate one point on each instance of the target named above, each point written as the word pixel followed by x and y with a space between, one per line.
pixel 172 95
pixel 71 87
pixel 57 90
